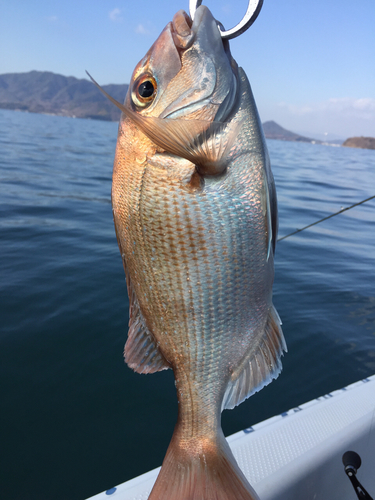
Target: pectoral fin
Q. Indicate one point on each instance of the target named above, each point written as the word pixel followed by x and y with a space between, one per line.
pixel 206 144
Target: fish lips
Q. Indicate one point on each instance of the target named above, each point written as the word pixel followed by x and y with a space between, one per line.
pixel 185 31
pixel 207 65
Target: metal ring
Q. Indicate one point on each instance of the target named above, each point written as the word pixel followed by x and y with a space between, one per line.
pixel 252 12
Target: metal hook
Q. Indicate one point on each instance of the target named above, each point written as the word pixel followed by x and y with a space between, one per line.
pixel 252 12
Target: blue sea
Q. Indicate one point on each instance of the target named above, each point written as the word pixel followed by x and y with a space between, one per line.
pixel 74 419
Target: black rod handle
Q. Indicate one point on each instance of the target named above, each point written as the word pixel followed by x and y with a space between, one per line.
pixel 352 462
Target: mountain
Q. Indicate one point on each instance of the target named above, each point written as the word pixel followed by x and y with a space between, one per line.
pixel 274 131
pixel 360 142
pixel 46 92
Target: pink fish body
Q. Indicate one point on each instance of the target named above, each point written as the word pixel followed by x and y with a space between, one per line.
pixel 195 212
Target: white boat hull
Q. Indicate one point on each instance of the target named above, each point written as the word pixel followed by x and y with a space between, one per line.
pixel 298 455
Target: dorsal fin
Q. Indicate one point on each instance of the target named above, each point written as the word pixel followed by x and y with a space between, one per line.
pixel 202 142
pixel 260 366
pixel 267 213
pixel 141 351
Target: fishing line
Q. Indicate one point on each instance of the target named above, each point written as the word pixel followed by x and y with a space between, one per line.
pixel 325 218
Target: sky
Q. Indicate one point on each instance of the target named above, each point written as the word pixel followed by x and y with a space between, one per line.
pixel 311 64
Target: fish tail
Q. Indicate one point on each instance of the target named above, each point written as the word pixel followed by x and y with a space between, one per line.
pixel 205 471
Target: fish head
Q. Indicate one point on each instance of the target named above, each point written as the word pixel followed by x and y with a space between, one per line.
pixel 188 73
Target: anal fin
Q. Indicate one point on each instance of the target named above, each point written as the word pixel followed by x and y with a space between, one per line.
pixel 260 366
pixel 141 351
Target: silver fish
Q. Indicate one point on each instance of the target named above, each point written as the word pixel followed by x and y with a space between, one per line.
pixel 195 212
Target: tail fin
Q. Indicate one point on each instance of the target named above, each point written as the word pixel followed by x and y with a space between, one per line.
pixel 205 471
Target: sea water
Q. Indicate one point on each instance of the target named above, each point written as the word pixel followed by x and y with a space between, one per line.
pixel 74 419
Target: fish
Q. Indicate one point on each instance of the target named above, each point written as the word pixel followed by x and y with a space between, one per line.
pixel 195 212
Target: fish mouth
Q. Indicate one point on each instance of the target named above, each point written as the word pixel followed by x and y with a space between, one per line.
pixel 182 30
pixel 208 70
pixel 185 31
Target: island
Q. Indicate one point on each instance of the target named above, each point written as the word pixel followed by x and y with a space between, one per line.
pixel 360 142
pixel 274 131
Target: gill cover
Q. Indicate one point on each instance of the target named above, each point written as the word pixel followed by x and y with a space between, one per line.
pixel 206 144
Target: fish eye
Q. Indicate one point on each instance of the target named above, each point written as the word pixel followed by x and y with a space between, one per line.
pixel 144 91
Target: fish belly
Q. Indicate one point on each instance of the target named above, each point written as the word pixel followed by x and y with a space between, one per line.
pixel 197 260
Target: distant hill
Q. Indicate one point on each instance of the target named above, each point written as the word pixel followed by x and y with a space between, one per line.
pixel 360 142
pixel 274 131
pixel 46 92
pixel 50 93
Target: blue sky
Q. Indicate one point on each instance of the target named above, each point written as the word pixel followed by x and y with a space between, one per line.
pixel 311 64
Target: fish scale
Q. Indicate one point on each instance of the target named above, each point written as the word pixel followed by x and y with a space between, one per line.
pixel 207 274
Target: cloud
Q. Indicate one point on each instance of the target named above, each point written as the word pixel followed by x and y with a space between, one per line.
pixel 357 108
pixel 142 30
pixel 344 117
pixel 52 19
pixel 294 109
pixel 227 8
pixel 363 108
pixel 115 15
